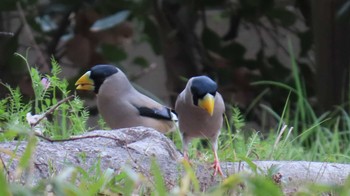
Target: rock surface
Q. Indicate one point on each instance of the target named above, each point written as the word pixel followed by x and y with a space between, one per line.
pixel 136 147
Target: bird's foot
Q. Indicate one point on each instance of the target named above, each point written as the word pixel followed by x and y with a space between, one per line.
pixel 217 168
pixel 186 159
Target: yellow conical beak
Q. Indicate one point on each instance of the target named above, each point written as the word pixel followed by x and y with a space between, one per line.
pixel 207 103
pixel 85 83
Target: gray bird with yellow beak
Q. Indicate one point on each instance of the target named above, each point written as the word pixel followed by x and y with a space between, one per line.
pixel 120 104
pixel 200 110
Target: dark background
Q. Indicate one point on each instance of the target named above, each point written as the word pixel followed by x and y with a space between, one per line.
pixel 160 44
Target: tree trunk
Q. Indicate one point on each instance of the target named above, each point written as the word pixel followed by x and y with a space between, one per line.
pixel 183 53
pixel 332 51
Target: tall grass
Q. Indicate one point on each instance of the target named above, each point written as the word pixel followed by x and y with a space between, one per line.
pixel 314 138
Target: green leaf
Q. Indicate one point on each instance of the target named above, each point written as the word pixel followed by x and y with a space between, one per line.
pixel 130 178
pixel 285 17
pixel 28 152
pixel 262 186
pixel 67 172
pixel 252 9
pixel 110 21
pixel 4 188
pixel 192 175
pixel 47 101
pixel 234 51
pixel 158 178
pixel 18 189
pixel 100 184
pixel 113 53
pixel 8 5
pixel 237 119
pixel 152 35
pixel 250 163
pixel 231 181
pixel 211 40
pixel 141 61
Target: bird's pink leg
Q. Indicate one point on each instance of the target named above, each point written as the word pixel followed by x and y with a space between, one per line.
pixel 186 156
pixel 216 164
pixel 185 141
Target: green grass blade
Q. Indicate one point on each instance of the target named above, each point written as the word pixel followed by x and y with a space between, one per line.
pixel 280 123
pixel 271 112
pixel 309 129
pixel 158 179
pixel 190 172
pixel 28 152
pixel 255 101
pixel 297 80
pixel 277 84
pixel 250 163
pixel 260 185
pixel 4 187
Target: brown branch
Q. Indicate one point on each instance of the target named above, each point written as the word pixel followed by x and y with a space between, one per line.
pixel 70 139
pixel 74 138
pixel 77 138
pixel 53 108
pixel 4 166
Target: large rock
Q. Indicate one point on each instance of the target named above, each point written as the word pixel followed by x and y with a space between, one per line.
pixel 136 147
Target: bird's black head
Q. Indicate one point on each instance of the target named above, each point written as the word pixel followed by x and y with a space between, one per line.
pixel 99 73
pixel 202 85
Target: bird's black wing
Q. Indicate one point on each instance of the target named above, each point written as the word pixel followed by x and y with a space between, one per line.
pixel 162 113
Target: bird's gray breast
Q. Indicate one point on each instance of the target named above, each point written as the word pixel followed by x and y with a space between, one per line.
pixel 196 122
